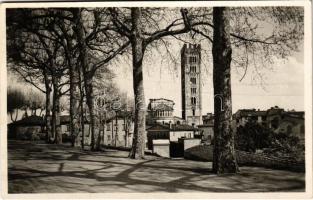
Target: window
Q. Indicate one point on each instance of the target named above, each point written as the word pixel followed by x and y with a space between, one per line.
pixel 193 80
pixel 193 112
pixel 108 127
pixel 193 100
pixel 192 59
pixel 193 69
pixel 193 90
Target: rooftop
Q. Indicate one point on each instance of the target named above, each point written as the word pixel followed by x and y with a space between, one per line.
pixel 173 127
pixel 32 120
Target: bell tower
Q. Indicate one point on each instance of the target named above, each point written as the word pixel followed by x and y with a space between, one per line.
pixel 191 84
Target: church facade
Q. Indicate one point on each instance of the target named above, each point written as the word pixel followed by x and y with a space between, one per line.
pixel 191 84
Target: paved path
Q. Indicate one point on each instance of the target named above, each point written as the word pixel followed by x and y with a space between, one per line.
pixel 42 168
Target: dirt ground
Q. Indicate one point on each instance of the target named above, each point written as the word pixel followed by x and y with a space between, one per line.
pixel 44 168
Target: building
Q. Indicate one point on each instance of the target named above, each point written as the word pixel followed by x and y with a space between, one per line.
pixel 119 131
pixel 66 132
pixel 207 128
pixel 171 132
pixel 191 84
pixel 242 116
pixel 275 118
pixel 289 122
pixel 161 111
pixel 28 128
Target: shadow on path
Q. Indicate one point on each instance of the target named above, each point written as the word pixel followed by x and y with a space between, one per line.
pixel 50 168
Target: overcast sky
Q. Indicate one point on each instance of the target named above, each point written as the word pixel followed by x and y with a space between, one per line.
pixel 283 86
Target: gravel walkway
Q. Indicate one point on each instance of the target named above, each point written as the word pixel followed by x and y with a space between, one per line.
pixel 42 168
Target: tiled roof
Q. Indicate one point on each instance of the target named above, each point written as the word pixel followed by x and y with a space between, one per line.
pixel 174 127
pixel 161 99
pixel 163 106
pixel 250 112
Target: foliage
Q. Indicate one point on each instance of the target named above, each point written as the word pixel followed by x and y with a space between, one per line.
pixel 253 136
pixel 15 99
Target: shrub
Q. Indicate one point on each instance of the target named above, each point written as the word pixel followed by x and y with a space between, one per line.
pixel 254 136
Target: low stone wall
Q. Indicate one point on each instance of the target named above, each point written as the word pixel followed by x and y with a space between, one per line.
pixel 252 159
pixel 205 153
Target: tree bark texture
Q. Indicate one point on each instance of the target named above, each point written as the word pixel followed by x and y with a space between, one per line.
pixel 224 160
pixel 56 125
pixel 48 108
pixel 82 119
pixel 88 77
pixel 138 48
pixel 74 91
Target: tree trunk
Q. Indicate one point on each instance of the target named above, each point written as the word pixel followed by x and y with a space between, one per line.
pixel 90 104
pixel 88 77
pixel 56 127
pixel 48 108
pixel 138 48
pixel 74 92
pixel 16 115
pixel 81 90
pixel 116 129
pixel 25 112
pixel 224 160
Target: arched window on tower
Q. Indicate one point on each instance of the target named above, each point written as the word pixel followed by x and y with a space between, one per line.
pixel 193 80
pixel 193 100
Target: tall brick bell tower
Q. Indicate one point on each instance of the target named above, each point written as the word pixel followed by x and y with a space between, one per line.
pixel 191 84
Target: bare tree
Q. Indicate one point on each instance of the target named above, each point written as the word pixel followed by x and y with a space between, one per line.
pixel 36 55
pixel 136 25
pixel 98 41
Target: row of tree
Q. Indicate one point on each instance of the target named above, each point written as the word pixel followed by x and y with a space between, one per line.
pixel 65 48
pixel 19 100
